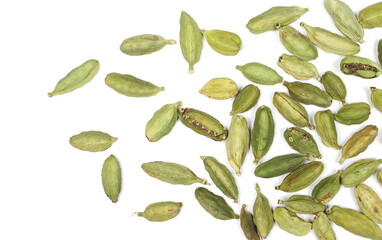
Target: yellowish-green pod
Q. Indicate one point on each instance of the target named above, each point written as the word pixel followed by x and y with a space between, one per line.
pixel 245 99
pixel 302 141
pixel 354 113
pixel 76 78
pixel 247 225
pixel 92 141
pixel 378 174
pixel 111 178
pixel 327 188
pixel 371 16
pixel 144 44
pixel 223 42
pixel 369 202
pixel 322 227
pixel 303 204
pixel 379 49
pixel 262 214
pixel 161 211
pixel 360 67
pixel 334 86
pixel 299 69
pixel 280 165
pixel 376 98
pixel 309 94
pixel 359 171
pixel 291 223
pixel 259 73
pixel 220 88
pixel 326 128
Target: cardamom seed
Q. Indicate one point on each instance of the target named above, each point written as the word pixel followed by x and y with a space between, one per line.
pixel 360 67
pixel 326 128
pixel 299 69
pixel 334 86
pixel 219 88
pixel 223 42
pixel 376 98
pixel 327 188
pixel 354 113
pixel 245 99
pixel 262 133
pixel 291 223
pixel 379 176
pixel 371 16
pixel 369 202
pixel 259 73
pixel 161 211
pixel 280 165
pixel 92 141
pixel 308 94
pixel 144 44
pixel 302 141
pixel 262 214
pixel 359 171
pixel 247 225
pixel 111 178
pixel 322 227
pixel 303 204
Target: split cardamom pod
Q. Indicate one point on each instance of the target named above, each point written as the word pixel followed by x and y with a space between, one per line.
pixel 308 94
pixel 92 141
pixel 262 214
pixel 360 67
pixel 247 225
pixel 322 227
pixel 303 204
pixel 302 141
pixel 371 16
pixel 327 188
pixel 144 44
pixel 219 88
pixel 326 128
pixel 262 133
pixel 111 178
pixel 369 202
pixel 299 69
pixel 291 223
pixel 280 165
pixel 359 171
pixel 223 42
pixel 161 211
pixel 334 86
pixel 376 98
pixel 245 99
pixel 259 73
pixel 354 113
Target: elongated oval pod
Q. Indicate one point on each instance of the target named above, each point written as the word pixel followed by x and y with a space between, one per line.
pixel 359 171
pixel 303 204
pixel 354 113
pixel 299 69
pixel 259 73
pixel 280 165
pixel 376 98
pixel 111 178
pixel 262 133
pixel 92 141
pixel 219 88
pixel 247 225
pixel 161 211
pixel 302 141
pixel 144 44
pixel 309 94
pixel 322 227
pixel 327 188
pixel 326 128
pixel 334 86
pixel 290 222
pixel 369 202
pixel 262 214
pixel 246 99
pixel 223 42
pixel 371 16
pixel 360 67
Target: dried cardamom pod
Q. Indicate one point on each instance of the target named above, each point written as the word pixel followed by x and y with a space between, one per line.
pixel 303 204
pixel 245 99
pixel 222 177
pixel 322 227
pixel 203 123
pixel 262 214
pixel 376 98
pixel 223 42
pixel 302 141
pixel 359 171
pixel 111 178
pixel 359 142
pixel 326 128
pixel 259 73
pixel 144 44
pixel 334 86
pixel 327 188
pixel 190 40
pixel 262 133
pixel 331 42
pixel 308 94
pixel 161 211
pixel 247 225
pixel 274 18
pixel 354 113
pixel 237 143
pixel 379 176
pixel 280 165
pixel 214 204
pixel 299 69
pixel 379 50
pixel 92 141
pixel 219 88
pixel 76 78
pixel 369 202
pixel 371 16
pixel 131 86
pixel 360 67
pixel 290 222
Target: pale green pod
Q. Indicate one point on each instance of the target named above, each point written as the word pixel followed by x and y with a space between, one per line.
pixel 334 86
pixel 376 98
pixel 360 67
pixel 322 227
pixel 291 223
pixel 371 16
pixel 378 174
pixel 237 143
pixel 161 211
pixel 247 224
pixel 369 202
pixel 309 94
pixel 92 141
pixel 326 128
pixel 327 188
pixel 262 214
pixel 354 113
pixel 359 171
pixel 220 88
pixel 379 50
pixel 263 132
pixel 131 86
pixel 302 141
pixel 331 42
pixel 303 204
pixel 274 18
pixel 246 99
pixel 190 40
pixel 280 165
pixel 297 43
pixel 223 42
pixel 299 69
pixel 259 73
pixel 76 78
pixel 171 173
pixel 144 44
pixel 111 178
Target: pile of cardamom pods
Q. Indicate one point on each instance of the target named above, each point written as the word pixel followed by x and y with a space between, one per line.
pixel 301 168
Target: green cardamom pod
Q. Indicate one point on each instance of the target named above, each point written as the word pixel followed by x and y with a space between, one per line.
pixel 371 16
pixel 131 86
pixel 379 176
pixel 302 141
pixel 161 211
pixel 92 141
pixel 331 42
pixel 222 177
pixel 262 214
pixel 259 73
pixel 360 67
pixel 369 202
pixel 214 204
pixel 299 69
pixel 237 143
pixel 76 78
pixel 308 94
pixel 291 110
pixel 326 128
pixel 245 99
pixel 223 42
pixel 291 223
pixel 219 88
pixel 379 50
pixel 354 113
pixel 376 98
pixel 355 222
pixel 247 225
pixel 303 204
pixel 274 18
pixel 144 44
pixel 297 43
pixel 262 133
pixel 334 86
pixel 302 177
pixel 327 188
pixel 280 165
pixel 111 178
pixel 203 123
pixel 359 142
pixel 359 171
pixel 190 40
pixel 171 173
pixel 322 227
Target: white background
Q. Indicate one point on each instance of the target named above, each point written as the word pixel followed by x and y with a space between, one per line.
pixel 50 190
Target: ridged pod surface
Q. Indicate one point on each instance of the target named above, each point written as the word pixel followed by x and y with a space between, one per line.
pixel 161 211
pixel 144 44
pixel 111 178
pixel 262 214
pixel 360 67
pixel 280 165
pixel 92 141
pixel 376 98
pixel 247 225
pixel 303 204
pixel 322 227
pixel 299 69
pixel 326 128
pixel 327 188
pixel 259 73
pixel 371 16
pixel 369 202
pixel 223 42
pixel 354 113
pixel 291 223
pixel 302 141
pixel 334 86
pixel 246 99
pixel 263 132
pixel 359 171
pixel 220 88
pixel 309 94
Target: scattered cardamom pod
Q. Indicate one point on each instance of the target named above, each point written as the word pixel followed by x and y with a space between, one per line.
pixel 144 44
pixel 378 174
pixel 161 211
pixel 111 178
pixel 262 133
pixel 291 223
pixel 371 16
pixel 247 225
pixel 219 88
pixel 334 86
pixel 303 204
pixel 223 42
pixel 376 98
pixel 280 165
pixel 354 113
pixel 299 69
pixel 369 202
pixel 359 171
pixel 245 99
pixel 259 73
pixel 360 67
pixel 379 50
pixel 309 94
pixel 326 128
pixel 262 214
pixel 322 227
pixel 302 141
pixel 92 141
pixel 327 188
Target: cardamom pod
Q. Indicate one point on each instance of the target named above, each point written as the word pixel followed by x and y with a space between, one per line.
pixel 359 171
pixel 369 202
pixel 360 67
pixel 376 98
pixel 358 143
pixel 334 86
pixel 219 88
pixel 308 94
pixel 222 177
pixel 203 123
pixel 297 43
pixel 259 73
pixel 326 128
pixel 322 227
pixel 274 18
pixel 262 133
pixel 379 50
pixel 223 42
pixel 354 113
pixel 171 173
pixel 280 165
pixel 247 225
pixel 245 99
pixel 111 178
pixel 161 211
pixel 291 110
pixel 379 176
pixel 291 223
pixel 302 141
pixel 214 204
pixel 302 177
pixel 92 141
pixel 237 143
pixel 303 204
pixel 327 188
pixel 262 214
pixel 131 86
pixel 371 16
pixel 331 42
pixel 299 69
pixel 144 44
pixel 76 78
pixel 190 40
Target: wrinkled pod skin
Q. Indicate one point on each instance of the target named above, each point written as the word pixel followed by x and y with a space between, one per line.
pixel 247 224
pixel 302 141
pixel 111 178
pixel 262 214
pixel 223 42
pixel 359 171
pixel 245 100
pixel 144 44
pixel 259 73
pixel 291 223
pixel 299 69
pixel 371 16
pixel 322 227
pixel 327 188
pixel 92 141
pixel 326 128
pixel 220 88
pixel 161 211
pixel 308 94
pixel 376 98
pixel 334 86
pixel 369 202
pixel 280 165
